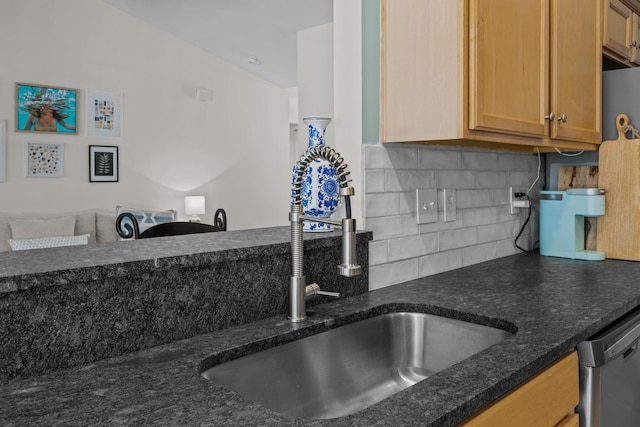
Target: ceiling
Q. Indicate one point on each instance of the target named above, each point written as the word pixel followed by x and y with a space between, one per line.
pixel 238 30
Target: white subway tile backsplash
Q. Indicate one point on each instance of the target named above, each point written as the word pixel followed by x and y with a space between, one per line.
pixel 440 262
pixel 507 247
pixel 512 162
pixel 499 231
pixel 378 252
pixel 477 198
pixel 479 253
pixel 390 156
pixel 381 204
pixel 408 203
pixel 440 160
pixel 459 238
pixel 387 227
pixel 407 180
pixel 481 216
pixel 455 179
pixel 392 273
pixel 374 181
pixel 412 246
pixel 491 179
pixel 475 160
pixel 522 179
pixel 403 250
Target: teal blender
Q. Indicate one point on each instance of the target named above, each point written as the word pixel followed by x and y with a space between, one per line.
pixel 562 216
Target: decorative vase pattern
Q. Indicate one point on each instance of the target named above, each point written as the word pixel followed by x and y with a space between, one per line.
pixel 320 195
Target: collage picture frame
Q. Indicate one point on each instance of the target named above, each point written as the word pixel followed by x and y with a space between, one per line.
pixel 44 159
pixel 104 114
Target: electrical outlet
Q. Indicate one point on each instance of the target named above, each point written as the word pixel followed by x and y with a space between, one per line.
pixel 449 198
pixel 512 209
pixel 427 205
pixel 514 203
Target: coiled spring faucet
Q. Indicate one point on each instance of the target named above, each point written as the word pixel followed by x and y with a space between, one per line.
pixel 298 290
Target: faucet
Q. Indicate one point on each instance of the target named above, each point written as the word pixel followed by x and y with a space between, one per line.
pixel 298 290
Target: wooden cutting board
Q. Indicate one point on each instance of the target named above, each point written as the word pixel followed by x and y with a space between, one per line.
pixel 619 174
pixel 581 177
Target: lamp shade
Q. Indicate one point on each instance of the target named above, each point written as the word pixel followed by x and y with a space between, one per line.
pixel 194 205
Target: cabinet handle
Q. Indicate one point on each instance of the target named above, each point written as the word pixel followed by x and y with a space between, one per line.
pixel 562 118
pixel 550 116
pixel 634 44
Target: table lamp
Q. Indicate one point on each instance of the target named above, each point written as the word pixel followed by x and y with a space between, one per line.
pixel 194 206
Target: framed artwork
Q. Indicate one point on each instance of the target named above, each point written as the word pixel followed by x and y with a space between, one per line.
pixel 46 109
pixel 103 163
pixel 104 114
pixel 44 160
pixel 3 150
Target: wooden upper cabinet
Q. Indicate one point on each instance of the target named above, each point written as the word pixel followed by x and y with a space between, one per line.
pixel 635 39
pixel 485 73
pixel 576 71
pixel 617 27
pixel 535 68
pixel 621 30
pixel 508 66
pixel 421 70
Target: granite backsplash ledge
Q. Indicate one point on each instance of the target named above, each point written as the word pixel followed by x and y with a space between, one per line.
pixel 88 307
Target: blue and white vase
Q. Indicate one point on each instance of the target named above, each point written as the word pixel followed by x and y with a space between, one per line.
pixel 320 195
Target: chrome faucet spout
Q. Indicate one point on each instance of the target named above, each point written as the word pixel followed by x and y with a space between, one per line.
pixel 298 291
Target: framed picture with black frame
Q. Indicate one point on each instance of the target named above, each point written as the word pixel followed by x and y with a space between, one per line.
pixel 103 163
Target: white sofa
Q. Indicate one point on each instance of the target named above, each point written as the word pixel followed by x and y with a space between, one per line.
pixel 99 225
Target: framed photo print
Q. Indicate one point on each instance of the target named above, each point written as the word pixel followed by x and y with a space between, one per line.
pixel 103 163
pixel 46 109
pixel 44 160
pixel 104 114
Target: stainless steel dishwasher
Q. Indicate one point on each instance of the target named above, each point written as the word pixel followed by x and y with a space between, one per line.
pixel 610 375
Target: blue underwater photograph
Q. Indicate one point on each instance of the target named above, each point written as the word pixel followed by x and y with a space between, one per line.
pixel 46 109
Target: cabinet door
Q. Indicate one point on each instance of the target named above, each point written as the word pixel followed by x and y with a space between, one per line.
pixel 617 24
pixel 576 70
pixel 547 400
pixel 509 66
pixel 420 70
pixel 572 420
pixel 635 39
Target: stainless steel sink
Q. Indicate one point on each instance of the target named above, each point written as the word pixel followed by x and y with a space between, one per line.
pixel 344 370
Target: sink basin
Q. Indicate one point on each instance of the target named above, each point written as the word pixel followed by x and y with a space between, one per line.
pixel 344 370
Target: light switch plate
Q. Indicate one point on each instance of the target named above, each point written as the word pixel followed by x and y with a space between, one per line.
pixel 427 205
pixel 449 199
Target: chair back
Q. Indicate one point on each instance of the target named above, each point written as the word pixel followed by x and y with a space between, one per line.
pixel 130 229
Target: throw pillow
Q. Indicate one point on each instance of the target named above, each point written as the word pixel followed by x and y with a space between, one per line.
pixel 29 228
pixel 48 242
pixel 146 218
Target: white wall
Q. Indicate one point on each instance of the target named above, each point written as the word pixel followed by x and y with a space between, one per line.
pixel 234 150
pixel 315 81
pixel 347 72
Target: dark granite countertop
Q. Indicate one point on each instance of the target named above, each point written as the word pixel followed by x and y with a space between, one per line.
pixel 23 270
pixel 554 303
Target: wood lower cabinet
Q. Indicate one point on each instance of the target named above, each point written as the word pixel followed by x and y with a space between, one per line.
pixel 486 73
pixel 546 400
